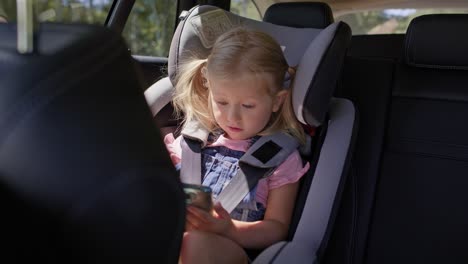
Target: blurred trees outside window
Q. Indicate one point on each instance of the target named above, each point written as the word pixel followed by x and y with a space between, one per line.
pixel 63 11
pixel 150 27
pixel 148 30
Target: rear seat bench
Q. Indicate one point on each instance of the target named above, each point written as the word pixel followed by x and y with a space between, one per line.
pixel 405 200
pixel 366 82
pixel 420 212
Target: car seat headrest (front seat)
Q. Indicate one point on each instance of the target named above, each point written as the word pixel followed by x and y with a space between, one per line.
pixel 428 35
pixel 316 53
pixel 300 14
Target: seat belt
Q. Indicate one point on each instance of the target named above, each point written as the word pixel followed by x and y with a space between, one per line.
pixel 190 168
pixel 194 137
pixel 260 160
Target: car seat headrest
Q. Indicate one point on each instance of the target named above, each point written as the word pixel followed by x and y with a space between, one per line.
pixel 437 41
pixel 317 53
pixel 300 15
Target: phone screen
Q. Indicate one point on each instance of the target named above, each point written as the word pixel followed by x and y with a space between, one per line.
pixel 198 195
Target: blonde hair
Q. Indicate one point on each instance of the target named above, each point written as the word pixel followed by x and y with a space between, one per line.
pixel 238 51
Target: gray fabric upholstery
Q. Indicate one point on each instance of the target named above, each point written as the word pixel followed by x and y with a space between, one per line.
pixel 195 40
pixel 159 94
pixel 306 71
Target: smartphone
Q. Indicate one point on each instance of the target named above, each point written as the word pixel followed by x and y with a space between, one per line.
pixel 198 195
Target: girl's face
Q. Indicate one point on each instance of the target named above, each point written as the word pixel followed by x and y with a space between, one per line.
pixel 242 107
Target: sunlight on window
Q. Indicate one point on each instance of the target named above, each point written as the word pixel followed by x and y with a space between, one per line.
pixel 399 12
pixel 150 27
pixel 63 11
pixel 47 15
pixel 245 8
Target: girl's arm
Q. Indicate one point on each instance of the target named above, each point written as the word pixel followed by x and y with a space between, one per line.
pixel 259 234
pixel 173 147
pixel 274 227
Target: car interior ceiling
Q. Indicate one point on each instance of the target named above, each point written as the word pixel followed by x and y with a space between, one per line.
pixel 403 200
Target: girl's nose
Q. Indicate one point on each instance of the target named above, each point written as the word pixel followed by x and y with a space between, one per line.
pixel 234 114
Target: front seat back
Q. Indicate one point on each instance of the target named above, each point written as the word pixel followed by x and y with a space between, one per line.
pixel 84 176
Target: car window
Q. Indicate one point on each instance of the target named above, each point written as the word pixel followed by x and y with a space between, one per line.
pixel 387 21
pixel 150 27
pixel 63 11
pixel 245 8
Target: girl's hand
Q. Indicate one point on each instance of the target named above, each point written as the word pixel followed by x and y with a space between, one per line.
pixel 219 221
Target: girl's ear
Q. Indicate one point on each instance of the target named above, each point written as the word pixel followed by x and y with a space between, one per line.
pixel 204 77
pixel 279 100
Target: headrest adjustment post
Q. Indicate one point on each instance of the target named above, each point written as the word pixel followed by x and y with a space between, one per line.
pixel 25 42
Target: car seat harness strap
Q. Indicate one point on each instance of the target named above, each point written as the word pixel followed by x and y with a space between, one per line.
pixel 260 160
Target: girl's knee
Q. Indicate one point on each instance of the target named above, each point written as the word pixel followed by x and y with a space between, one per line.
pixel 193 240
pixel 210 248
pixel 194 236
pixel 193 246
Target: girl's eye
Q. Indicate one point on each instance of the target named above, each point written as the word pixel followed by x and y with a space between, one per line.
pixel 248 106
pixel 221 102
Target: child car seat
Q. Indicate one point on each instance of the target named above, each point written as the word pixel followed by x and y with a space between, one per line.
pixel 318 54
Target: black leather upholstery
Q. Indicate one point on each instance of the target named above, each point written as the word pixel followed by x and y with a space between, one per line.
pixel 419 209
pixel 299 14
pixel 84 175
pixel 389 46
pixel 368 83
pixel 405 200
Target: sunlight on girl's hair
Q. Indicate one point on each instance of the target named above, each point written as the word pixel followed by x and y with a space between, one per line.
pixel 236 52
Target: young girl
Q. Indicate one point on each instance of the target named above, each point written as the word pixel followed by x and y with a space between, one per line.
pixel 237 93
